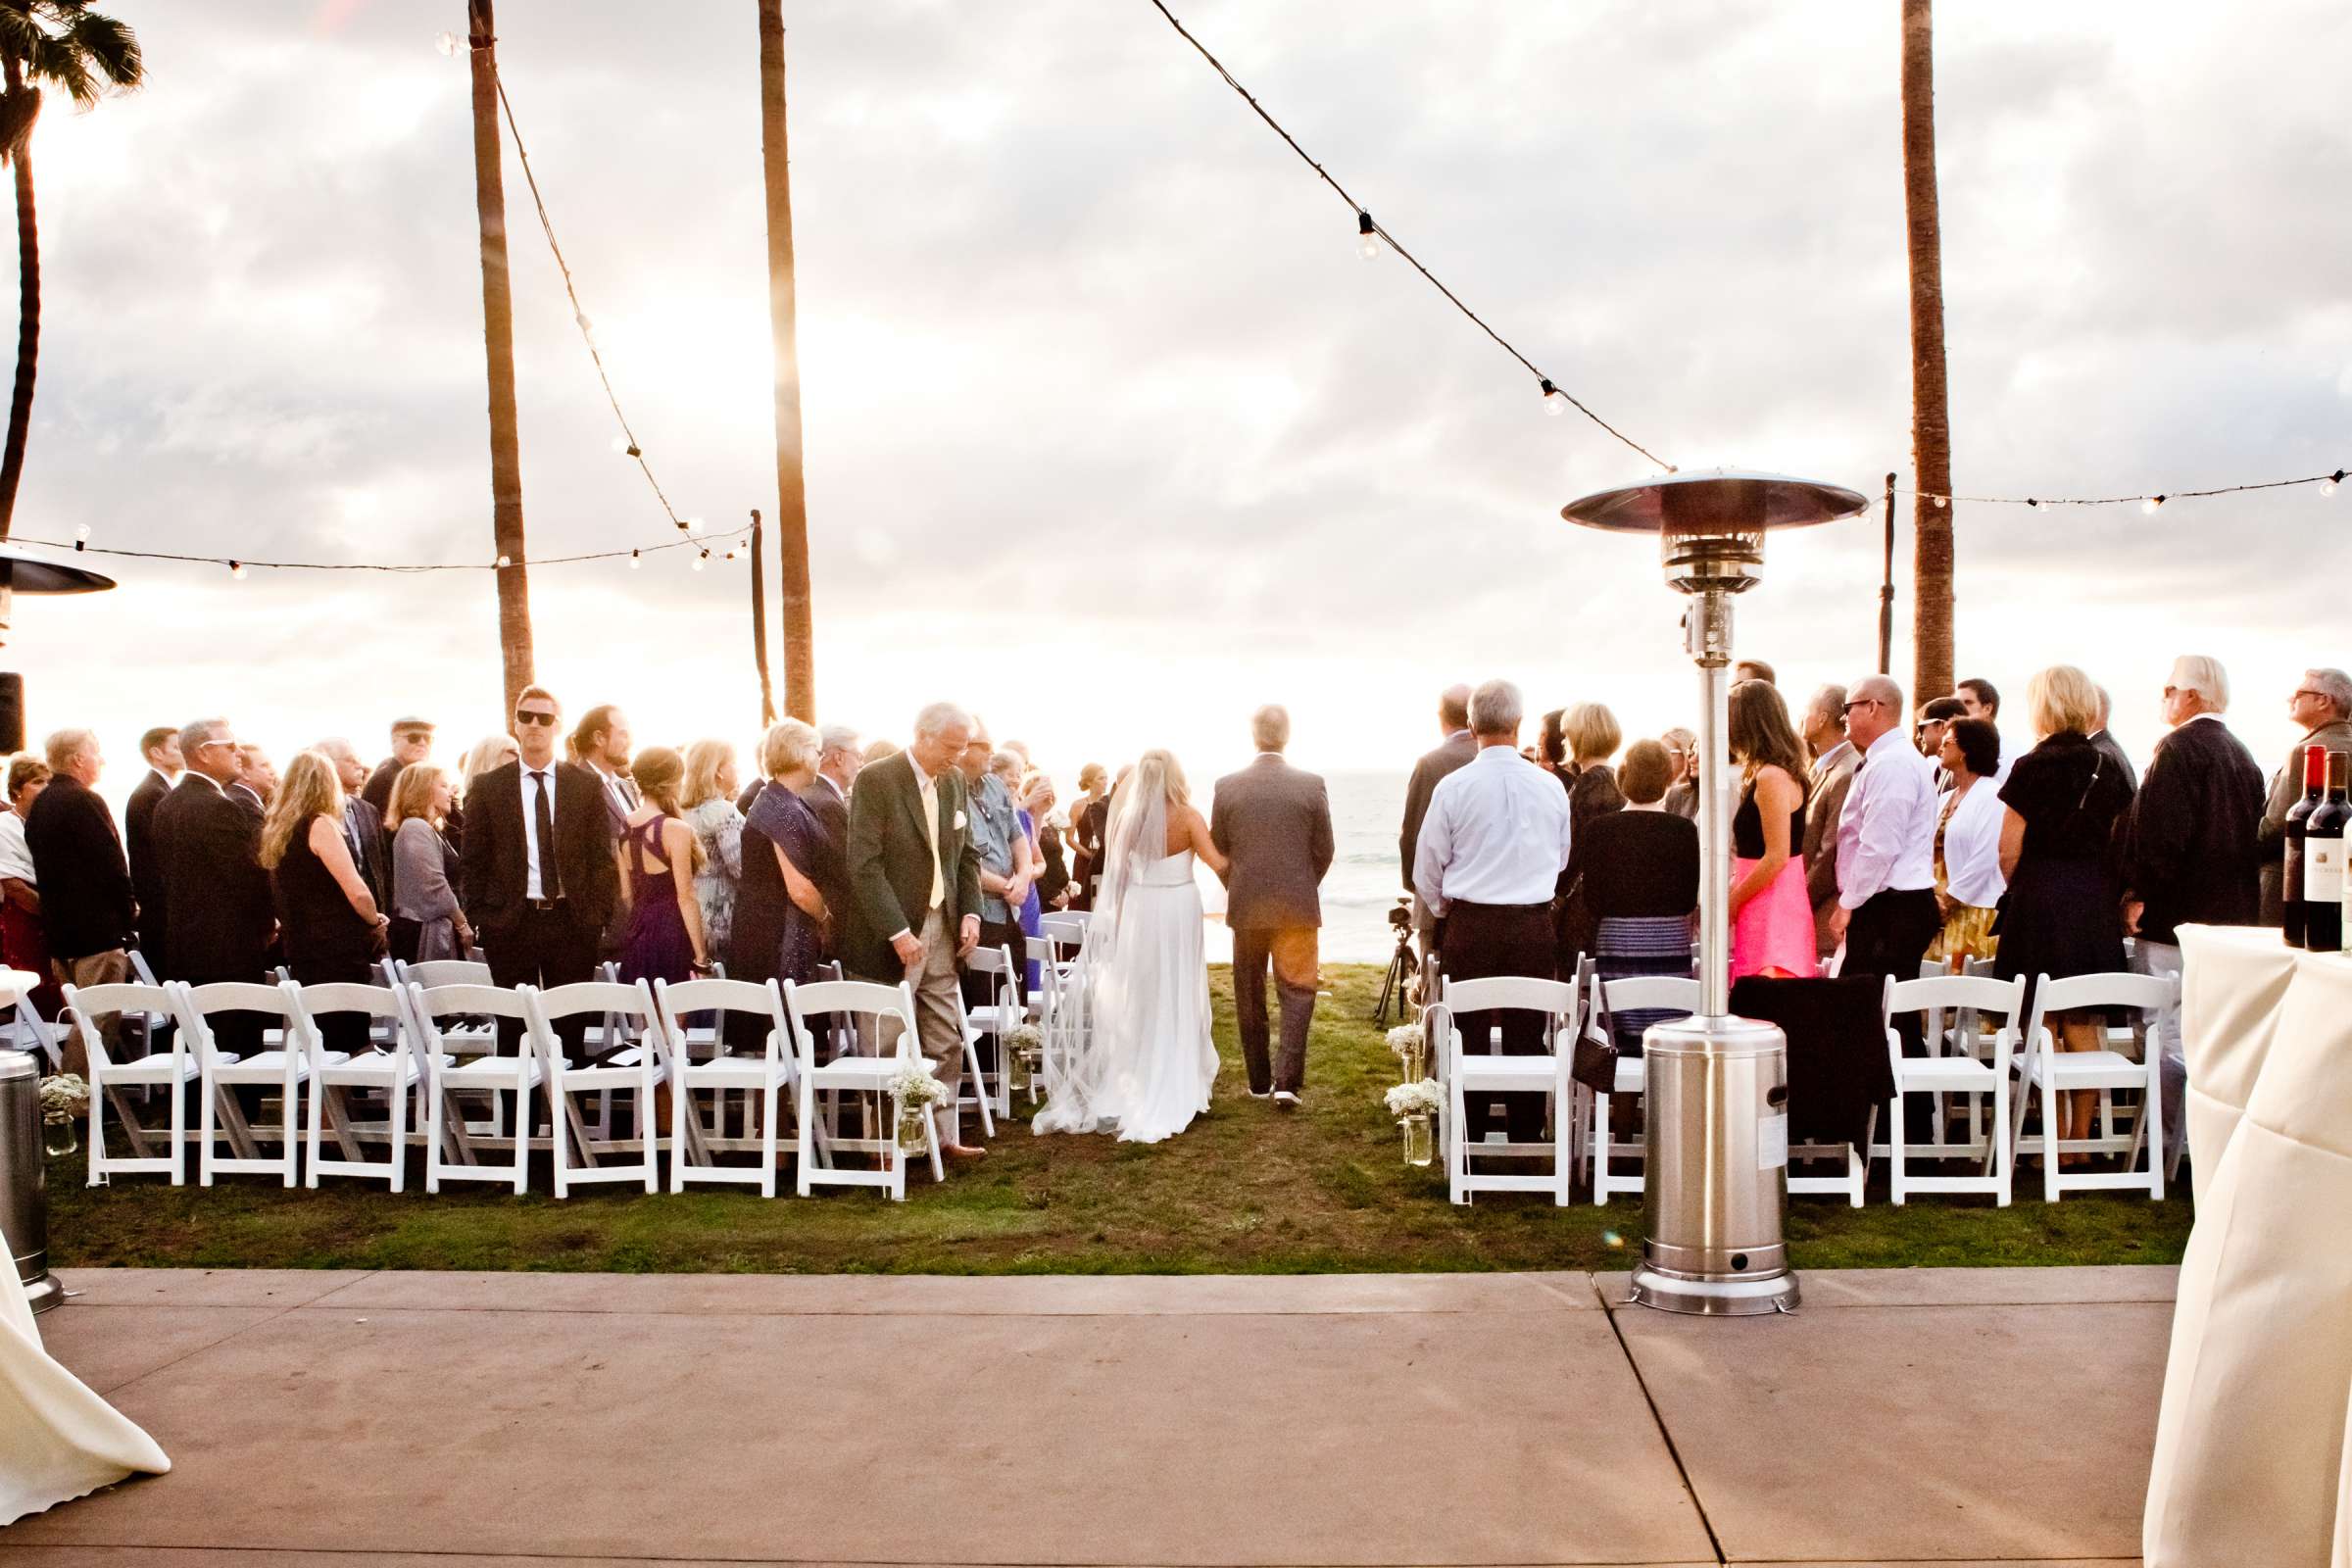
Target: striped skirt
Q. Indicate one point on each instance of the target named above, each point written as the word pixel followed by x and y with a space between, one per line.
pixel 1628 946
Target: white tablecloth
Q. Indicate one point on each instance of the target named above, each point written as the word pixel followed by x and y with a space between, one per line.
pixel 2251 1460
pixel 57 1440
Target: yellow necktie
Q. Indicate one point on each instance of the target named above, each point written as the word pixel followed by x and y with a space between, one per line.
pixel 939 883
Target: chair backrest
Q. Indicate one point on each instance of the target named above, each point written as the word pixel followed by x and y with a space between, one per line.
pixel 1641 993
pixel 1067 927
pixel 762 999
pixel 1557 999
pixel 844 1001
pixel 2146 993
pixel 431 1004
pixel 196 1006
pixel 435 974
pixel 86 1004
pixel 632 1003
pixel 381 1004
pixel 2004 998
pixel 991 960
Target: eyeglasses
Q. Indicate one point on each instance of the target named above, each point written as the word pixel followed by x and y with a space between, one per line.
pixel 231 744
pixel 2307 692
pixel 418 737
pixel 1862 702
pixel 523 716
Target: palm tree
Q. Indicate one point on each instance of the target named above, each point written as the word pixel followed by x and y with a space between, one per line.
pixel 792 497
pixel 498 346
pixel 61 44
pixel 1930 419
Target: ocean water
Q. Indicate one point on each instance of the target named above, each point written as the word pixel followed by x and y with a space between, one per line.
pixel 1366 810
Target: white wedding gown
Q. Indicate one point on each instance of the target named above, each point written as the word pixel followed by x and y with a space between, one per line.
pixel 1132 1050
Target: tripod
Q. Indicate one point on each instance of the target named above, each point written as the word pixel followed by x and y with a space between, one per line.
pixel 1398 983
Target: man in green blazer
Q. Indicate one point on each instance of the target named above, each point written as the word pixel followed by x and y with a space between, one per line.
pixel 914 890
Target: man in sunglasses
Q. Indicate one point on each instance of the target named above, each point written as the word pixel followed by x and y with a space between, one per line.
pixel 2322 708
pixel 218 911
pixel 540 877
pixel 412 742
pixel 1885 914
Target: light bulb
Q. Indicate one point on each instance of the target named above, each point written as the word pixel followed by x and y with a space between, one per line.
pixel 1556 401
pixel 694 525
pixel 2328 484
pixel 698 560
pixel 620 445
pixel 82 533
pixel 635 560
pixel 236 571
pixel 1944 501
pixel 504 562
pixel 447 43
pixel 2150 504
pixel 1367 238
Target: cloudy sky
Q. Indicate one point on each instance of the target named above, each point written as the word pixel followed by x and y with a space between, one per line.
pixel 1110 433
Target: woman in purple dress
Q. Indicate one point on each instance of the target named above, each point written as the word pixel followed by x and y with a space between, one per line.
pixel 788 859
pixel 658 855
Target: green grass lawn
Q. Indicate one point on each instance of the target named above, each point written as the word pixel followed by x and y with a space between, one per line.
pixel 1246 1189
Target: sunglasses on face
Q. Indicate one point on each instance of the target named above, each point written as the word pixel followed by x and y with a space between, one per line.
pixel 1862 702
pixel 417 738
pixel 525 717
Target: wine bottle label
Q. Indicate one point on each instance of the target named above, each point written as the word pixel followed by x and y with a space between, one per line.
pixel 2323 870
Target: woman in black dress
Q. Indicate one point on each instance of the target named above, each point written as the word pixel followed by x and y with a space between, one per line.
pixel 1639 868
pixel 2063 913
pixel 333 928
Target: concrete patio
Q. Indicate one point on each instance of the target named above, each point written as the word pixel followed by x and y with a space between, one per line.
pixel 382 1419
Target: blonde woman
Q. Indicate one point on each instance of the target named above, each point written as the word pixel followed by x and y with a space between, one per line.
pixel 1090 815
pixel 488 752
pixel 426 920
pixel 2064 913
pixel 709 803
pixel 333 928
pixel 658 861
pixel 1593 737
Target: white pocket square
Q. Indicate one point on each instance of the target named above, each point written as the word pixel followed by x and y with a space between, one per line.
pixel 958 821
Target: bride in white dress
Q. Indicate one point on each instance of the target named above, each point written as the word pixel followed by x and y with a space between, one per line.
pixel 1130 1050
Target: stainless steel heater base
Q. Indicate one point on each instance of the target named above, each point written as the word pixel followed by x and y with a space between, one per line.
pixel 1712 1297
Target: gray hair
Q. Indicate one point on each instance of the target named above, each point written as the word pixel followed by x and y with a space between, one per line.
pixel 193 736
pixel 1007 762
pixel 1497 708
pixel 1453 707
pixel 67 744
pixel 789 744
pixel 1270 727
pixel 2334 685
pixel 2203 675
pixel 836 738
pixel 335 749
pixel 1829 702
pixel 939 718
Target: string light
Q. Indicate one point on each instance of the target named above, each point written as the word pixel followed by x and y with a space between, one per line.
pixel 693 525
pixel 236 571
pixel 2147 503
pixel 1556 401
pixel 636 560
pixel 503 562
pixel 2328 484
pixel 447 43
pixel 698 560
pixel 237 567
pixel 1370 235
pixel 2150 504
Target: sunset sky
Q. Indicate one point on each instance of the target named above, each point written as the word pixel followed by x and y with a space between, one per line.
pixel 1110 433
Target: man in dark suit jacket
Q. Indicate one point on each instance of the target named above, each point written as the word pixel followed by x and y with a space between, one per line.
pixel 412 742
pixel 86 903
pixel 827 797
pixel 363 824
pixel 1273 822
pixel 914 889
pixel 540 878
pixel 217 903
pixel 161 748
pixel 1456 751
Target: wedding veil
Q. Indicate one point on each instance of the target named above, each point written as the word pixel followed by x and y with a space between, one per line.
pixel 1079 1054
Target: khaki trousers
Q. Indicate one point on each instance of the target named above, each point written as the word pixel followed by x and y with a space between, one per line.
pixel 108 969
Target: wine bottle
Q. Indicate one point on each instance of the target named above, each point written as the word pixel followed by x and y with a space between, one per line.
pixel 2324 862
pixel 2290 882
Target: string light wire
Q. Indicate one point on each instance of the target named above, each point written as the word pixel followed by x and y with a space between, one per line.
pixel 628 552
pixel 1367 225
pixel 2146 499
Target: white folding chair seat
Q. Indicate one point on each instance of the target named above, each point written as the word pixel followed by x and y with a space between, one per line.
pixel 170 1069
pixel 285 1066
pixel 763 1076
pixel 450 1144
pixel 1475 1072
pixel 621 1011
pixel 1631 994
pixel 2042 1068
pixel 1966 998
pixel 877 1010
pixel 393 1070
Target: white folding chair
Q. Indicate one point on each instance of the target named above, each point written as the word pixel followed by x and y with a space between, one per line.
pixel 451 1145
pixel 285 1066
pixel 2043 1066
pixel 170 1069
pixel 1469 1072
pixel 1967 998
pixel 764 1075
pixel 876 1012
pixel 33 1032
pixel 1045 1002
pixel 995 1019
pixel 628 1028
pixel 393 1070
pixel 1670 992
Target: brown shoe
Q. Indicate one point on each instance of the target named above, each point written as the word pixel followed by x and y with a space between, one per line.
pixel 963 1152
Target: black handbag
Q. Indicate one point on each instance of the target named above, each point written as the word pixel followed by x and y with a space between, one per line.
pixel 1594 1061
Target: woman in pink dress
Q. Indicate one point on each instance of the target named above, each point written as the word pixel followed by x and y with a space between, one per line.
pixel 1772 914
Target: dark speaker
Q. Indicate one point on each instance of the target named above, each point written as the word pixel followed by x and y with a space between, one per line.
pixel 12 713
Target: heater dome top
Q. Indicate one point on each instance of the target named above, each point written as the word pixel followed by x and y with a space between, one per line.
pixel 1715 501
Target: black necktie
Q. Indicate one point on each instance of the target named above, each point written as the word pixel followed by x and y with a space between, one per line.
pixel 551 881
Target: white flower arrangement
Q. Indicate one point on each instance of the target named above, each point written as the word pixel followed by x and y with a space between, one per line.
pixel 65 1098
pixel 913 1087
pixel 1406 1039
pixel 1028 1039
pixel 1424 1099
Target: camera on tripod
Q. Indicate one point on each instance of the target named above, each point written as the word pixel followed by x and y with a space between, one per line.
pixel 1400 919
pixel 1396 984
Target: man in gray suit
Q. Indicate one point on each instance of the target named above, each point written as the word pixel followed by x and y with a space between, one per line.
pixel 1833 763
pixel 1274 823
pixel 1454 722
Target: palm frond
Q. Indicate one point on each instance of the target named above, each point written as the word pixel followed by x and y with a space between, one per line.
pixel 109 45
pixel 57 62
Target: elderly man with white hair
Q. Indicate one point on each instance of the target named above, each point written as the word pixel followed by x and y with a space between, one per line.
pixel 1273 822
pixel 2321 708
pixel 363 825
pixel 2189 854
pixel 1492 850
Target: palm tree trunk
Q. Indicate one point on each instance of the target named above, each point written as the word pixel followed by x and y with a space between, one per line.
pixel 1930 419
pixel 792 498
pixel 28 318
pixel 498 342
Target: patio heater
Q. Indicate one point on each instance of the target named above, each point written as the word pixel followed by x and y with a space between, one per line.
pixel 1716 1088
pixel 21 572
